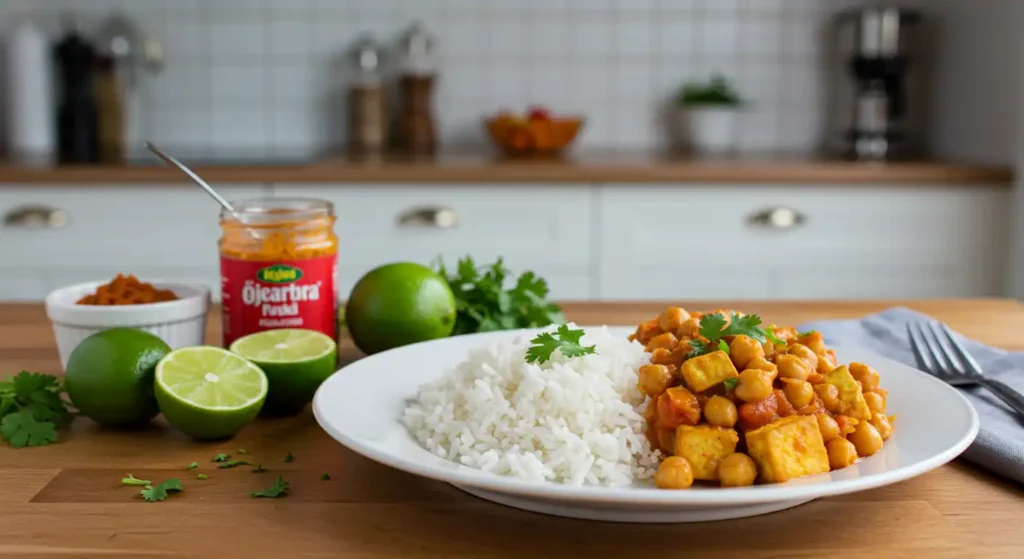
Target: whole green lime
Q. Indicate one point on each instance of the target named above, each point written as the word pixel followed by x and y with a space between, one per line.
pixel 109 376
pixel 399 304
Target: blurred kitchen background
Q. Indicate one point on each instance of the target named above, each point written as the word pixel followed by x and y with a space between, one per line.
pixel 921 205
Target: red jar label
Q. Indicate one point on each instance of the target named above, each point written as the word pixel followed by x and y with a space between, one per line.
pixel 258 296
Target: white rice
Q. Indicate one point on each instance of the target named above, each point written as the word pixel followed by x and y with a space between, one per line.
pixel 572 421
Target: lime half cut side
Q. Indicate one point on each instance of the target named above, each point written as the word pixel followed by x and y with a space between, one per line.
pixel 209 393
pixel 296 362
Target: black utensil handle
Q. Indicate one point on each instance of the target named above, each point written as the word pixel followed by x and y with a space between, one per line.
pixel 1007 394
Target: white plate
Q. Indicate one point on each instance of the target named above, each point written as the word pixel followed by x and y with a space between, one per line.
pixel 361 406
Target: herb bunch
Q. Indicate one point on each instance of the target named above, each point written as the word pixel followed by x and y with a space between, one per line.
pixel 484 303
pixel 31 409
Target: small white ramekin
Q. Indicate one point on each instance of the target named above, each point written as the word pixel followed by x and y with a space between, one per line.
pixel 180 323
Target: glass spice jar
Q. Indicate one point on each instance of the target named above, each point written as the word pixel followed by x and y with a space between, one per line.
pixel 278 266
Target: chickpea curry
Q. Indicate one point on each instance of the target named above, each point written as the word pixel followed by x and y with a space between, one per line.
pixel 735 402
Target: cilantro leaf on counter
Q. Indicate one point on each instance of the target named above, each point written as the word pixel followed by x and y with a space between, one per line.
pixel 221 458
pixel 31 409
pixel 325 476
pixel 483 303
pixel 159 492
pixel 243 451
pixel 258 468
pixel 193 466
pixel 278 489
pixel 202 476
pixel 565 340
pixel 289 458
pixel 132 480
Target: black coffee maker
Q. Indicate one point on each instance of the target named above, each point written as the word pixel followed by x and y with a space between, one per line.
pixel 879 84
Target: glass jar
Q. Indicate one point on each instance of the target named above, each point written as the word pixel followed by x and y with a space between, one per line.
pixel 278 266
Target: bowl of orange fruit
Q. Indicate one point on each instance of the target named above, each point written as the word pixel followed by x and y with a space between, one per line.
pixel 538 133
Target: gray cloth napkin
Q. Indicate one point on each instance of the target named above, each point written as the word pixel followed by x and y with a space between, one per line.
pixel 1000 443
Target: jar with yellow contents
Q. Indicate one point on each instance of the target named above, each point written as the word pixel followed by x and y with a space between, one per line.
pixel 278 266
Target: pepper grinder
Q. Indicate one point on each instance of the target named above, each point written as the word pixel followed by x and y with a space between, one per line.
pixel 77 125
pixel 418 63
pixel 367 99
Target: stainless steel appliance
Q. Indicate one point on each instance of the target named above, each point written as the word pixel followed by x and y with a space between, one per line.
pixel 879 84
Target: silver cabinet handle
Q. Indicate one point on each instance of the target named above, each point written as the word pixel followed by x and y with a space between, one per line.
pixel 777 218
pixel 36 217
pixel 435 217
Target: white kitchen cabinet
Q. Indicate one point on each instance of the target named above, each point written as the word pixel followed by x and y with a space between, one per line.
pixel 838 242
pixel 546 229
pixel 156 231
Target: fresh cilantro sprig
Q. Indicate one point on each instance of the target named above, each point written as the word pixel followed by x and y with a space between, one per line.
pixel 278 489
pixel 132 480
pixel 31 409
pixel 484 303
pixel 159 492
pixel 233 464
pixel 715 326
pixel 565 340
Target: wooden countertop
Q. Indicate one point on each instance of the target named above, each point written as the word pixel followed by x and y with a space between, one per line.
pixel 66 499
pixel 585 169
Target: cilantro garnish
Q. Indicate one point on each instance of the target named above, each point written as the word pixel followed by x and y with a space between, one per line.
pixel 132 480
pixel 769 333
pixel 807 333
pixel 202 476
pixel 278 489
pixel 289 458
pixel 159 492
pixel 221 458
pixel 565 340
pixel 325 476
pixel 484 304
pixel 731 383
pixel 715 326
pixel 31 409
pixel 722 346
pixel 193 466
pixel 233 463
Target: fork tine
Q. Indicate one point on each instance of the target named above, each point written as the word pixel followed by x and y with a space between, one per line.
pixel 955 364
pixel 935 351
pixel 965 357
pixel 924 362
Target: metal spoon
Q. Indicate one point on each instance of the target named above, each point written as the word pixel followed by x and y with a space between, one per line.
pixel 195 178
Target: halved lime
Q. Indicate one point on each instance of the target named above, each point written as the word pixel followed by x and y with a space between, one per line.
pixel 296 362
pixel 207 392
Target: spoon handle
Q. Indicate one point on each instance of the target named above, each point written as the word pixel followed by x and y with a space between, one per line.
pixel 195 178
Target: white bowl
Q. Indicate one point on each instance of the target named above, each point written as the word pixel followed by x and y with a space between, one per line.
pixel 180 323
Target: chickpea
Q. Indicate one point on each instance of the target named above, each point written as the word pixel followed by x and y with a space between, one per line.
pixel 829 395
pixel 743 350
pixel 868 377
pixel 841 453
pixel 866 438
pixel 690 328
pixel 881 422
pixel 646 330
pixel 720 411
pixel 654 379
pixel 791 366
pixel 814 342
pixel 828 427
pixel 825 364
pixel 875 401
pixel 737 470
pixel 805 353
pixel 674 473
pixel 672 318
pixel 667 341
pixel 798 392
pixel 763 364
pixel 754 385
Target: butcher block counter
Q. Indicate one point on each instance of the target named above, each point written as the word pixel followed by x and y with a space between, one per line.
pixel 66 499
pixel 584 168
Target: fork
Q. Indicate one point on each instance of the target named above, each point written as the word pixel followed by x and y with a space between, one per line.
pixel 939 353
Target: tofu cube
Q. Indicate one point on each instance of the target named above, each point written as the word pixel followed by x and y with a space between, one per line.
pixel 851 399
pixel 704 446
pixel 710 369
pixel 788 448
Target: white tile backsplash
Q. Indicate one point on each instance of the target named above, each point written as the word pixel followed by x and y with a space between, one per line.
pixel 271 73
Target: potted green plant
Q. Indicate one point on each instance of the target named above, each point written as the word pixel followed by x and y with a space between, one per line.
pixel 708 111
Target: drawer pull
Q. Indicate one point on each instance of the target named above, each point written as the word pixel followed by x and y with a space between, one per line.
pixel 36 217
pixel 777 218
pixel 435 217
